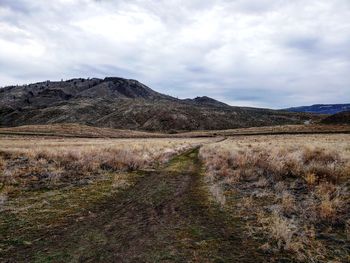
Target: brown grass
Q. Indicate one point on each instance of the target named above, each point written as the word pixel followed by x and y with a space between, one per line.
pixel 288 203
pixel 79 130
pixel 76 130
pixel 34 163
pixel 296 186
pixel 44 183
pixel 277 129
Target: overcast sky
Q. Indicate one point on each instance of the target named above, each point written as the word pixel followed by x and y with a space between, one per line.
pixel 266 53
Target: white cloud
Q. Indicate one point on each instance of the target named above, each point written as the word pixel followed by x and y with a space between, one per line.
pixel 269 53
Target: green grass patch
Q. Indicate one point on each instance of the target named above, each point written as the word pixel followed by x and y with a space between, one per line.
pixel 31 211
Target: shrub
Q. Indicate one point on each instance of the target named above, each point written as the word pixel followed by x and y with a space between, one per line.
pixel 288 202
pixel 310 179
pixel 320 156
pixel 2 165
pixel 331 201
pixel 280 229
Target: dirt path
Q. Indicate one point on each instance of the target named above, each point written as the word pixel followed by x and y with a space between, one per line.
pixel 165 217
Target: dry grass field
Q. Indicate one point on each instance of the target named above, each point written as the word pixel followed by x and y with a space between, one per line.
pixel 277 129
pixel 291 191
pixel 84 131
pixel 277 197
pixel 76 130
pixel 29 162
pixel 44 181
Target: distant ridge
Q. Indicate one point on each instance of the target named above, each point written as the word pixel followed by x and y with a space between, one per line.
pixel 127 104
pixel 321 108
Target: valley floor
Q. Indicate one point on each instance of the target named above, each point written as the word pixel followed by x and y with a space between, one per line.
pixel 165 216
pixel 172 200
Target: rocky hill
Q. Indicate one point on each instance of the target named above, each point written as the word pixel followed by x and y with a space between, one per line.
pixel 126 104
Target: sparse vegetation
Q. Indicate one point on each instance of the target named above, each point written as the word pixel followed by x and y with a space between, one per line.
pixel 293 190
pixel 49 163
pixel 45 181
pixel 74 130
pixel 276 196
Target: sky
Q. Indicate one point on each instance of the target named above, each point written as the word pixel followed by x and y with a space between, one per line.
pixel 261 53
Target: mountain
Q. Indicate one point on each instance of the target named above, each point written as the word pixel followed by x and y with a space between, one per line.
pixel 321 108
pixel 338 118
pixel 126 104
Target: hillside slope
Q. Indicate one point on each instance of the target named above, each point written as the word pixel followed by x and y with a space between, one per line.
pixel 338 118
pixel 126 104
pixel 321 108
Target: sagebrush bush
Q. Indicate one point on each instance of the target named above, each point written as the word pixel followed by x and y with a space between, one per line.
pixel 280 229
pixel 319 155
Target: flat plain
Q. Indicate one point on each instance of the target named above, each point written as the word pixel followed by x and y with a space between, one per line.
pixel 265 198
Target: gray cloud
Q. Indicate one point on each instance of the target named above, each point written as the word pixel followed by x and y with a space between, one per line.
pixel 267 53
